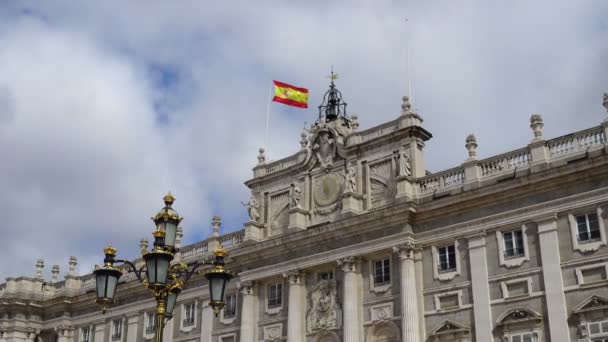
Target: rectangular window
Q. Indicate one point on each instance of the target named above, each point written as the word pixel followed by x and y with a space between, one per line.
pixel 230 307
pixel 275 295
pixel 150 322
pixel 588 228
pixel 447 258
pixel 382 272
pixel 525 337
pixel 598 331
pixel 326 276
pixel 514 244
pixel 448 302
pixel 189 315
pixel 116 329
pixel 85 334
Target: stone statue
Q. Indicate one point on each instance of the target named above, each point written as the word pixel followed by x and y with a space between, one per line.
pixel 296 197
pixel 350 184
pixel 252 208
pixel 405 169
pixel 325 149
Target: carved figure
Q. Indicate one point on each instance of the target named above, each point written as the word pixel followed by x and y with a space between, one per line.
pixel 350 184
pixel 325 149
pixel 405 169
pixel 324 311
pixel 296 197
pixel 252 208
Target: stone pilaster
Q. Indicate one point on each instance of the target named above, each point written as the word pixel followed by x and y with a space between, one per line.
pixel 353 299
pixel 249 319
pixel 410 322
pixel 480 286
pixel 168 332
pixel 65 333
pixel 132 325
pixel 552 275
pixel 100 332
pixel 296 318
pixel 297 218
pixel 206 321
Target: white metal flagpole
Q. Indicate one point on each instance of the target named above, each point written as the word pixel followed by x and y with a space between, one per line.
pixel 409 72
pixel 268 116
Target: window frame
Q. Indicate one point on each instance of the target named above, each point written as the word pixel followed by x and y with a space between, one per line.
pixel 385 286
pixel 147 331
pixel 450 264
pixel 186 324
pixel 521 335
pixel 587 246
pixel 116 334
pixel 229 319
pixel 448 274
pixel 276 308
pixel 602 334
pixel 515 260
pixel 88 336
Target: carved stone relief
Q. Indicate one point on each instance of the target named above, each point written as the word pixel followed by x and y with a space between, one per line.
pixel 273 332
pixel 279 209
pixel 381 181
pixel 323 311
pixel 326 191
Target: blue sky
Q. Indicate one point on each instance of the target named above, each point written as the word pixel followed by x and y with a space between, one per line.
pixel 104 106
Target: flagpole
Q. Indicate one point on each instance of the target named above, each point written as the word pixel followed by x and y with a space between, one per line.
pixel 409 72
pixel 268 116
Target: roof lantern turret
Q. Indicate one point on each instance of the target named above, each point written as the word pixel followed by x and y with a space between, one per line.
pixel 333 106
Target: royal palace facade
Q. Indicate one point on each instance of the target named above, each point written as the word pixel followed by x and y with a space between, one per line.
pixel 352 239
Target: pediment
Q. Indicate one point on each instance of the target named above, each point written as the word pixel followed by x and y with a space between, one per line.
pixel 592 303
pixel 519 315
pixel 449 327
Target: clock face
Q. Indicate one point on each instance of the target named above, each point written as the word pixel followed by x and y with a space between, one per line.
pixel 327 189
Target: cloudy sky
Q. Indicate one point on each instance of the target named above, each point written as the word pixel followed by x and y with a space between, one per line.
pixel 106 105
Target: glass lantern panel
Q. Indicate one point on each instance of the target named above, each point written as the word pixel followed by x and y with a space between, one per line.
pixel 151 270
pixel 101 280
pixel 171 299
pixel 112 281
pixel 170 231
pixel 217 285
pixel 162 269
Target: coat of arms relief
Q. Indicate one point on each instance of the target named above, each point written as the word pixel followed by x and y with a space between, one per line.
pixel 323 312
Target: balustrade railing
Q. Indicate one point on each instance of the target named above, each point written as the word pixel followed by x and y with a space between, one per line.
pixel 379 131
pixel 504 162
pixel 441 180
pixel 575 142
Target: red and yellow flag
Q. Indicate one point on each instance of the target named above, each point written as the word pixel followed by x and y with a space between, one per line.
pixel 290 95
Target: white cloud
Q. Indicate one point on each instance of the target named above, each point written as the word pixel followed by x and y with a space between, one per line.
pixel 87 160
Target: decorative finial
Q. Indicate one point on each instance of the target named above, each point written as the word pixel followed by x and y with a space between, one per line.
pixel 332 76
pixel 261 156
pixel 471 145
pixel 220 251
pixel 355 122
pixel 39 268
pixel 536 123
pixel 179 234
pixel 143 245
pixel 406 106
pixel 72 263
pixel 303 139
pixel 216 222
pixel 168 199
pixel 109 250
pixel 55 273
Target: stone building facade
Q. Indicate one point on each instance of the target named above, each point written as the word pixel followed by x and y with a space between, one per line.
pixel 352 239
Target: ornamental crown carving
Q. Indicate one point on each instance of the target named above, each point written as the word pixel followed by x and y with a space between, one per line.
pixel 323 312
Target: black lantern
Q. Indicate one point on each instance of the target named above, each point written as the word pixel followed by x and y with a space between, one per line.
pixel 167 220
pixel 218 278
pixel 106 278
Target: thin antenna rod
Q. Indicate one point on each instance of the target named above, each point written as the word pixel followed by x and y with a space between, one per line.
pixel 407 52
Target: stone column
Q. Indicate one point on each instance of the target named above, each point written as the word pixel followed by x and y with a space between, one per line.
pixel 480 287
pixel 249 319
pixel 296 318
pixel 206 321
pixel 409 295
pixel 353 318
pixel 552 275
pixel 419 287
pixel 100 332
pixel 133 324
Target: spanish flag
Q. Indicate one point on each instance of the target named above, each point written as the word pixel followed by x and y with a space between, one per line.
pixel 290 95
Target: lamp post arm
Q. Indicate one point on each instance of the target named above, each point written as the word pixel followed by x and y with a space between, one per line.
pixel 133 268
pixel 188 273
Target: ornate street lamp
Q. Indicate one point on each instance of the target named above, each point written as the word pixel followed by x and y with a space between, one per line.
pixel 163 279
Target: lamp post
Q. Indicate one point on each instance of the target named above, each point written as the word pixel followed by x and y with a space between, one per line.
pixel 163 279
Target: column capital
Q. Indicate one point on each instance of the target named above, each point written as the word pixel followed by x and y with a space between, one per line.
pixel 406 250
pixel 247 288
pixel 295 277
pixel 349 264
